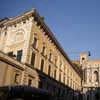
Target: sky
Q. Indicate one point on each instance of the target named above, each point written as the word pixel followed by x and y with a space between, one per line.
pixel 75 23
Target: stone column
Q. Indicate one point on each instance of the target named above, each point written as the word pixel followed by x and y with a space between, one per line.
pixel 24 78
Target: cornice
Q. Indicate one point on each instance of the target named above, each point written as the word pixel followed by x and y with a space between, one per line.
pixel 5 58
pixel 33 13
pixel 20 18
pixel 53 38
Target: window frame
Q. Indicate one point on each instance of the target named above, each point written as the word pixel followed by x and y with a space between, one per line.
pixel 35 44
pixel 31 62
pixel 42 66
pixel 19 58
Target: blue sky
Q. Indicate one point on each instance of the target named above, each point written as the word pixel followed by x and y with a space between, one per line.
pixel 75 23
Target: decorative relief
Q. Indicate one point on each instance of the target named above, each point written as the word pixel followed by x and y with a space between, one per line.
pixel 16 37
pixel 19 37
pixel 92 76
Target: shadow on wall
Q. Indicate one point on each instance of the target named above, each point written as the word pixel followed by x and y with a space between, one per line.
pixel 58 90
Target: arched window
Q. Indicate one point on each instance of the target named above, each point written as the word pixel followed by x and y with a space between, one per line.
pixel 42 64
pixel 35 42
pixel 50 56
pixel 29 82
pixel 96 78
pixel 33 59
pixel 43 50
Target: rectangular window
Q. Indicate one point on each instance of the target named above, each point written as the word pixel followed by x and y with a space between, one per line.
pixel 55 74
pixel 10 53
pixel 42 64
pixel 35 42
pixel 49 69
pixel 43 50
pixel 64 79
pixel 33 59
pixel 19 55
pixel 40 84
pixel 29 82
pixel 50 57
pixel 60 77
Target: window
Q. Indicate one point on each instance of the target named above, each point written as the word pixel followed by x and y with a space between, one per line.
pixel 40 84
pixel 43 50
pixel 50 56
pixel 16 81
pixel 33 59
pixel 29 82
pixel 5 33
pixel 42 64
pixel 49 69
pixel 19 55
pixel 10 53
pixel 60 76
pixel 64 79
pixel 35 42
pixel 96 78
pixel 55 74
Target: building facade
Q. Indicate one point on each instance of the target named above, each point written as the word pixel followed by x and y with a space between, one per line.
pixel 91 77
pixel 31 55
